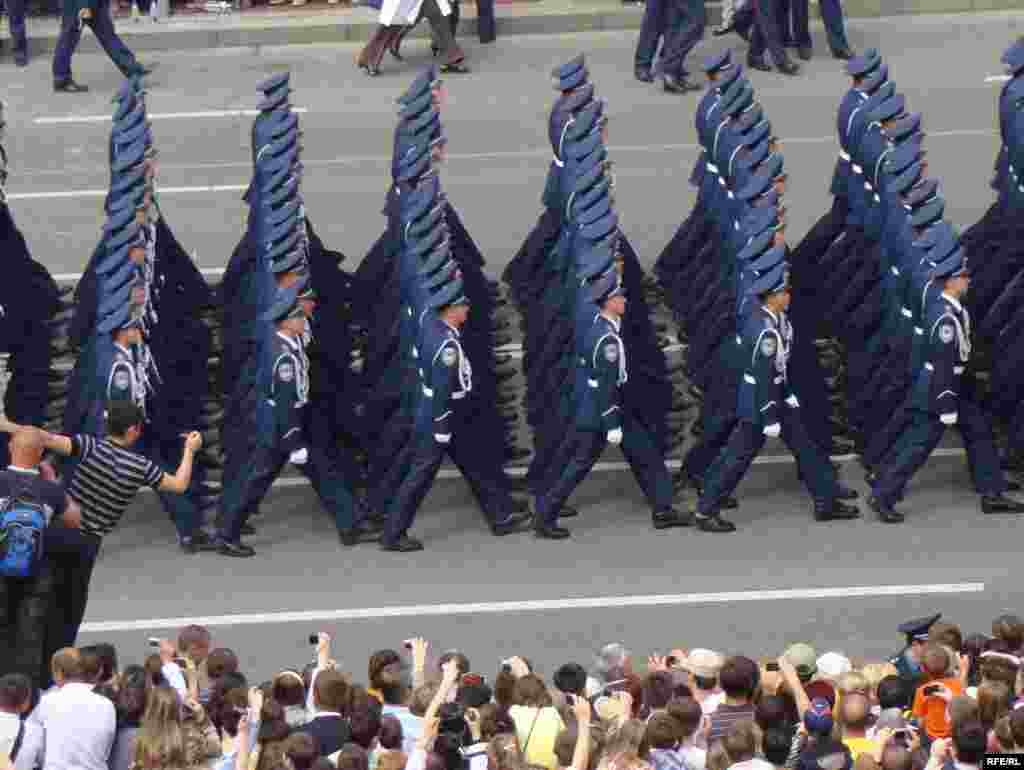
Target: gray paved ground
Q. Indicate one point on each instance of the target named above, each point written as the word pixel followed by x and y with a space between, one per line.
pixel 496 127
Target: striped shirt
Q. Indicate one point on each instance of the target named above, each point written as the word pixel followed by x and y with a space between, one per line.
pixel 106 480
pixel 725 717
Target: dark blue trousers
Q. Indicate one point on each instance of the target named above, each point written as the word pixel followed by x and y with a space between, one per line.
pixel 652 29
pixel 16 20
pixel 922 434
pixel 743 446
pixel 684 28
pixel 766 34
pixel 182 509
pixel 795 23
pixel 102 27
pixel 243 492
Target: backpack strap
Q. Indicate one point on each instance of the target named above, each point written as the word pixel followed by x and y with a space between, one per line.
pixel 17 742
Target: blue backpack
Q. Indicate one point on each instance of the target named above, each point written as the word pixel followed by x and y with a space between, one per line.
pixel 22 526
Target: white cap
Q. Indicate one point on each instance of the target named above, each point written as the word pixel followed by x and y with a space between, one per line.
pixel 833 665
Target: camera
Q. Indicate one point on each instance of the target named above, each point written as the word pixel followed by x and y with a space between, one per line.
pixel 671 661
pixel 153 642
pixel 314 639
pixel 931 689
pixel 771 667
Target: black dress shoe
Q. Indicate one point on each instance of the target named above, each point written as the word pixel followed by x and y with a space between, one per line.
pixel 238 550
pixel 198 543
pixel 404 544
pixel 247 530
pixel 457 68
pixel 674 85
pixel 886 513
pixel 20 60
pixel 714 524
pixel 844 54
pixel 568 512
pixel 69 86
pixel 804 52
pixel 758 63
pixel 519 505
pixel 643 74
pixel 1000 504
pixel 837 511
pixel 551 533
pixel 723 29
pixel 358 535
pixel 515 522
pixel 672 518
pixel 789 68
pixel 1013 486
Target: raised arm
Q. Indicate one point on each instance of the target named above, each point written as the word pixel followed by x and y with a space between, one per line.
pixel 55 442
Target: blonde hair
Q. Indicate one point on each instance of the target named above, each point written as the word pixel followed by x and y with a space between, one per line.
pixel 853 681
pixel 718 758
pixel 160 742
pixel 626 738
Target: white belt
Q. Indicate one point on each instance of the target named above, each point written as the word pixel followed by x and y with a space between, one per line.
pixel 712 168
pixel 460 394
pixel 748 378
pixel 558 162
pixel 739 340
pixel 895 271
pixel 928 366
pixel 844 156
pixel 415 352
pixel 877 199
pixel 409 311
pixel 868 187
pixel 592 383
pixel 428 392
pixel 906 313
pixel 778 380
pixel 958 370
pixel 857 169
pixel 918 330
pixel 731 196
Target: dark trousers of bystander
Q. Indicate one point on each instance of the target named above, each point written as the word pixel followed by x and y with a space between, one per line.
pixel 24 608
pixel 16 21
pixel 102 26
pixel 684 28
pixel 71 554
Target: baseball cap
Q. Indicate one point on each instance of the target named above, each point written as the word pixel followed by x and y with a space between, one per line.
pixel 803 658
pixel 703 663
pixel 834 664
pixel 818 718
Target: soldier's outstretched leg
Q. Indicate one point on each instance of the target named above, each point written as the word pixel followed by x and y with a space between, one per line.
pixel 649 469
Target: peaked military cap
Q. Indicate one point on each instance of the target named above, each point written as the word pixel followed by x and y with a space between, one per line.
pixel 717 62
pixel 586 119
pixel 744 99
pixel 570 75
pixel 920 194
pixel 732 90
pixel 730 75
pixel 423 83
pixel 928 213
pixel 606 287
pixel 276 100
pixel 583 148
pixel 889 109
pixel 275 82
pixel 776 279
pixel 918 628
pixel 908 178
pixel 417 106
pixel 877 79
pixel 939 232
pixel 861 65
pixel 761 243
pixel 1013 57
pixel 452 293
pixel 283 305
pixel 601 228
pixel 952 265
pixel 902 157
pixel 906 126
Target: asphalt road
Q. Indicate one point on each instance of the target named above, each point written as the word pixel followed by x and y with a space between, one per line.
pixel 652 591
pixel 496 126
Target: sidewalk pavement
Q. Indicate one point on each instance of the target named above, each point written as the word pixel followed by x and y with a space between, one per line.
pixel 288 25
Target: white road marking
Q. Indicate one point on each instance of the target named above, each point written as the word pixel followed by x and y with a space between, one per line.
pixel 997 79
pixel 65 119
pixel 546 605
pixel 50 195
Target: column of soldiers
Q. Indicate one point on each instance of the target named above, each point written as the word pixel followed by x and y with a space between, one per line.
pixel 137 326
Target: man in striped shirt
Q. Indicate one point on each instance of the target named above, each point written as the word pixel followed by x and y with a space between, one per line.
pixel 104 483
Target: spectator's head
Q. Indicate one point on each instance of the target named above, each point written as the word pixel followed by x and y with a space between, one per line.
pixel 776 743
pixel 531 692
pixel 873 674
pixel 741 742
pixel 772 712
pixel 331 692
pixel 804 659
pixel 301 751
pixel 220 662
pixel 160 741
pixel 896 757
pixel 364 715
pixel 65 666
pixel 194 643
pixel 993 702
pixel 1003 733
pixel 453 722
pixel 1017 728
pixel 26 448
pixel 818 718
pixel 853 681
pixel 947 635
pixel 461 662
pixel 105 656
pixel 963 709
pixel 421 698
pixel 1000 667
pixel 494 721
pixel 1009 629
pixel 391 760
pixel 353 757
pixel 227 711
pixel 219 689
pixel 124 421
pixel 974 645
pixel 626 738
pixel 288 688
pixel 832 666
pixel 15 694
pixel 704 667
pixel 504 688
pixel 854 714
pixel 390 736
pixel 613 662
pixel 688 716
pixel 658 689
pixel 892 694
pixel 385 676
pixel 662 732
pixel 718 758
pixel 969 741
pixel 473 692
pixel 273 727
pixel 934 660
pixel 131 695
pixel 739 678
pixel 154 666
pixel 91 665
pixel 571 679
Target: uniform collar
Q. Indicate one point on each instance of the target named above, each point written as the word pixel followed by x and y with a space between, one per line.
pixel 616 323
pixel 123 349
pixel 292 342
pixel 954 302
pixel 457 333
pixel 16 469
pixel 774 317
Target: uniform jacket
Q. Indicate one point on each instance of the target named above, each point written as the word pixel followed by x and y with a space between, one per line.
pixel 947 348
pixel 764 342
pixel 288 392
pixel 446 377
pixel 599 374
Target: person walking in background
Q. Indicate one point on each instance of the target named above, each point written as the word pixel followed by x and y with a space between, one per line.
pixel 19 38
pixel 94 14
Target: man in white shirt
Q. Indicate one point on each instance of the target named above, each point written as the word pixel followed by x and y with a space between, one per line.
pixel 19 740
pixel 78 724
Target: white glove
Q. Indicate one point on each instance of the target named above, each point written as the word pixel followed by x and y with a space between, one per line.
pixel 792 401
pixel 443 438
pixel 948 419
pixel 615 436
pixel 299 456
pixel 772 430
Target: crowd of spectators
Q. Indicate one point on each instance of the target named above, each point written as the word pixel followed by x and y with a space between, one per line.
pixel 951 699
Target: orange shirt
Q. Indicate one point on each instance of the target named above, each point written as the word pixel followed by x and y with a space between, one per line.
pixel 931 709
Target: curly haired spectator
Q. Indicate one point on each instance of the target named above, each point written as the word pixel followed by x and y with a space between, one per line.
pixel 1009 629
pixel 289 689
pixel 165 739
pixel 739 679
pixel 689 717
pixel 301 751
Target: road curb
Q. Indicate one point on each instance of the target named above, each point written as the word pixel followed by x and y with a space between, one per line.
pixel 358 25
